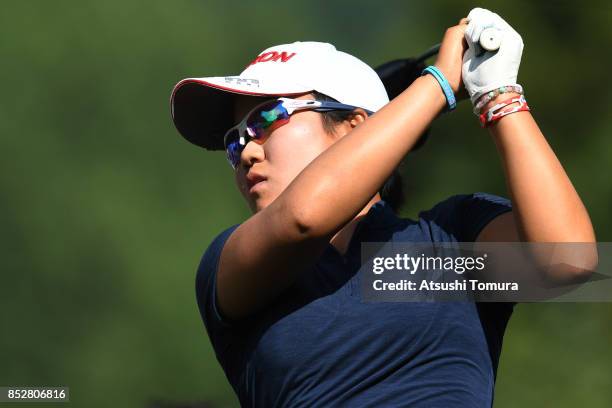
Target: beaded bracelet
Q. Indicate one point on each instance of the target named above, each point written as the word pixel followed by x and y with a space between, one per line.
pixel 489 96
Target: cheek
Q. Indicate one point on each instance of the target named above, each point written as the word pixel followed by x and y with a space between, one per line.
pixel 294 147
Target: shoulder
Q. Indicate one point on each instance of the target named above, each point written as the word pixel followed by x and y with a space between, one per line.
pixel 206 278
pixel 210 258
pixel 464 215
pixel 461 200
pixel 216 245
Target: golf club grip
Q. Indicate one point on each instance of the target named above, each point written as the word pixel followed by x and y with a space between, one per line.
pixel 397 75
pixel 490 39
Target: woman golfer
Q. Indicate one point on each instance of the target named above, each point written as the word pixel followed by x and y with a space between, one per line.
pixel 312 138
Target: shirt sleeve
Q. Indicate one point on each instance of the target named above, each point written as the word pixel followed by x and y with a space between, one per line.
pixel 465 215
pixel 206 283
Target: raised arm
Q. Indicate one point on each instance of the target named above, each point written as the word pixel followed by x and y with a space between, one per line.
pixel 266 253
pixel 546 206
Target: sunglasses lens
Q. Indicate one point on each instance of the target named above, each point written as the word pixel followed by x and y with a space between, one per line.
pixel 233 147
pixel 267 115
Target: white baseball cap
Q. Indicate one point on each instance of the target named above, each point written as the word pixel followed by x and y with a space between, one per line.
pixel 202 108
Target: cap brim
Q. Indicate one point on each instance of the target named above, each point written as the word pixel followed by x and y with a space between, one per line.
pixel 202 108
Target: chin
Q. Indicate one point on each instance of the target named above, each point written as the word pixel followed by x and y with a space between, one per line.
pixel 261 200
pixel 257 204
pixel 260 204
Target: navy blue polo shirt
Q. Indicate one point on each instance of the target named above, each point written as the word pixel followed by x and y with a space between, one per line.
pixel 319 345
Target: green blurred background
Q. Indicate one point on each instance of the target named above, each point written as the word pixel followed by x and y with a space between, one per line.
pixel 105 210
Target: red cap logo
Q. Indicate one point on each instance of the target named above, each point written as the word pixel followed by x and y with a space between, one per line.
pixel 272 56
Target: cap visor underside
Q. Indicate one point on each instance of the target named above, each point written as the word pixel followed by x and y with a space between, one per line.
pixel 202 108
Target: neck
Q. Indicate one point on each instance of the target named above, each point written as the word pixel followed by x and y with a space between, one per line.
pixel 343 237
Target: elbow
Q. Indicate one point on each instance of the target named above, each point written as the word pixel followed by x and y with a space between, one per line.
pixel 302 224
pixel 310 224
pixel 580 260
pixel 298 222
pixel 588 265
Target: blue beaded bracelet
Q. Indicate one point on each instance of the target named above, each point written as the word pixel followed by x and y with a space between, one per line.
pixel 446 88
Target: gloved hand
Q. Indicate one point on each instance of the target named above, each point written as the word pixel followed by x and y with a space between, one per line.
pixel 491 69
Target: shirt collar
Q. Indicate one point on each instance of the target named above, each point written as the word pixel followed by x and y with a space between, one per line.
pixel 380 215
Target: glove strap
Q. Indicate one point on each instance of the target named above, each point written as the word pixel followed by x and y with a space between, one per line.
pixel 497 112
pixel 446 88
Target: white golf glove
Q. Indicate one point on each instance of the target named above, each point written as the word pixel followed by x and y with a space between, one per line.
pixel 485 71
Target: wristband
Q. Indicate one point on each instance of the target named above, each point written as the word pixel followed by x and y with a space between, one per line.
pixel 497 112
pixel 489 96
pixel 446 88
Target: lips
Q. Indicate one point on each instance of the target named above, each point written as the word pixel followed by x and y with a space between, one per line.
pixel 254 178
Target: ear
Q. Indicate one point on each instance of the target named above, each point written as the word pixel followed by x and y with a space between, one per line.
pixel 359 116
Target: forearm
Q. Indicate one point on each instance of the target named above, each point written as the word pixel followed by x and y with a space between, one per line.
pixel 547 207
pixel 335 186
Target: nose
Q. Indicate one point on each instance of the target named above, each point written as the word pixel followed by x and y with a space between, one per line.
pixel 253 152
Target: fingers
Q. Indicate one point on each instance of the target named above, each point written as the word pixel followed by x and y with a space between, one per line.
pixel 480 19
pixel 477 18
pixel 502 64
pixel 477 13
pixel 461 26
pixel 477 24
pixel 459 33
pixel 500 23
